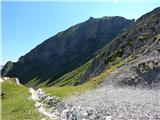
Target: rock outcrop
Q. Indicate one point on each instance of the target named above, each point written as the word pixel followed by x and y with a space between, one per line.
pixel 142 38
pixel 142 72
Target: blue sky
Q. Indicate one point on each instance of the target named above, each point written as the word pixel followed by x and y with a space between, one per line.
pixel 26 24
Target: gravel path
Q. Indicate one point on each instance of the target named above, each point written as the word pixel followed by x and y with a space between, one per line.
pixel 121 103
pixel 106 103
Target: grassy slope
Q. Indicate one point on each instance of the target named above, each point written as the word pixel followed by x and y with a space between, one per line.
pixel 73 77
pixel 69 79
pixel 15 103
pixel 64 91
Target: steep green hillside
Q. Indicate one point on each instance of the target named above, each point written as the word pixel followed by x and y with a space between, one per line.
pixel 15 104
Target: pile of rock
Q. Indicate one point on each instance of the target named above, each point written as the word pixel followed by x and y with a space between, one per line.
pixel 148 64
pixel 58 110
pixel 2 92
pixel 142 72
pixel 44 103
pixel 40 95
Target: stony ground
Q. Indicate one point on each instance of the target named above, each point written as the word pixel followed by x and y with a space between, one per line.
pixel 121 103
pixel 109 101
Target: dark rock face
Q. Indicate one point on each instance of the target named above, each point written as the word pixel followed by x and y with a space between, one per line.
pixel 67 50
pixel 143 37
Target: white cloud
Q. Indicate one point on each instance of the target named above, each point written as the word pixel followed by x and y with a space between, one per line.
pixel 115 1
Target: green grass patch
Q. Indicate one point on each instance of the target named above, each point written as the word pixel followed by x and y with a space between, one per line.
pixel 72 78
pixel 31 83
pixel 34 83
pixel 15 104
pixel 143 37
pixel 158 37
pixel 64 91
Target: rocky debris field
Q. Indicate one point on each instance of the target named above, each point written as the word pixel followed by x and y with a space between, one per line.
pixel 143 72
pixel 121 103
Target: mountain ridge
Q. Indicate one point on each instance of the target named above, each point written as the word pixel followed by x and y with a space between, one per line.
pixel 66 50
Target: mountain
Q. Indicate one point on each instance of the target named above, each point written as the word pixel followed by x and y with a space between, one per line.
pixel 1 67
pixel 66 51
pixel 140 44
pixel 121 80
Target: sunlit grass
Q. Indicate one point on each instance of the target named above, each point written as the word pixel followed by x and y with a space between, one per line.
pixel 15 104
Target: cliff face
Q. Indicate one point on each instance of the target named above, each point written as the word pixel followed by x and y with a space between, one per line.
pixel 142 38
pixel 66 51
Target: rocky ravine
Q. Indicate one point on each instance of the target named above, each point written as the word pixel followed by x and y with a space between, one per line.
pixel 111 100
